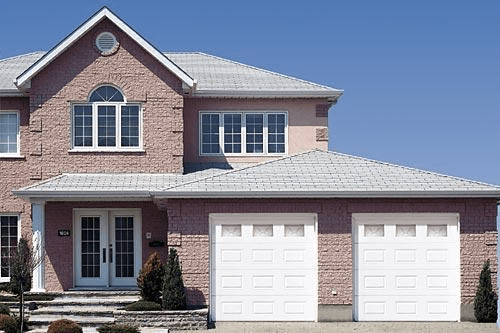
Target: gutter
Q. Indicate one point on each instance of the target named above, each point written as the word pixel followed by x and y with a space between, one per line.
pixel 317 194
pixel 268 94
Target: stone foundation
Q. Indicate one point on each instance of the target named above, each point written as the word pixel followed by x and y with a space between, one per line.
pixel 179 320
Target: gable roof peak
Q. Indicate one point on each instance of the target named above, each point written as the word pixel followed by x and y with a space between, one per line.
pixel 24 79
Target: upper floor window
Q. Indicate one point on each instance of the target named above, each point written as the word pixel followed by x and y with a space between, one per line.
pixel 9 133
pixel 250 132
pixel 107 122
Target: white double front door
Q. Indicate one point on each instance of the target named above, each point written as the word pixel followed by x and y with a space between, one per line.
pixel 107 247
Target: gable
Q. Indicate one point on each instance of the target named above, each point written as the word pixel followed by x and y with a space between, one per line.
pixel 23 81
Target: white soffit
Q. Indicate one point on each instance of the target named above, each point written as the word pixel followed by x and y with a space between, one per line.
pixel 23 80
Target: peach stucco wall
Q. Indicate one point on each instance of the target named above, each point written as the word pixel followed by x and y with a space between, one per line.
pixel 302 123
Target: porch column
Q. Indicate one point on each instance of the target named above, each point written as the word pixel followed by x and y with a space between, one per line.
pixel 38 226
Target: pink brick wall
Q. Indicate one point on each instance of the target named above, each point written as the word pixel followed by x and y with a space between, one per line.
pixel 188 224
pixel 59 215
pixel 14 172
pixel 73 75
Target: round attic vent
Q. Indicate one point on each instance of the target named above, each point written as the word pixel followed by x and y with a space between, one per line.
pixel 106 42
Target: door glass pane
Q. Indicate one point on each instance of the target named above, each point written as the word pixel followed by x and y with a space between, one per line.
pixel 374 230
pixel 403 230
pixel 8 242
pixel 439 230
pixel 294 230
pixel 106 126
pixel 124 241
pixel 231 230
pixel 91 245
pixel 263 230
pixel 255 132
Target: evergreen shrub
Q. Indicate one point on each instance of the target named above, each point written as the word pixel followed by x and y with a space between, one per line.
pixel 150 280
pixel 485 302
pixel 117 328
pixel 174 295
pixel 143 306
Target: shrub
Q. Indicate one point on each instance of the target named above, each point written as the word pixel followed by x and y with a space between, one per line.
pixel 485 302
pixel 174 295
pixel 18 323
pixel 150 280
pixel 117 328
pixel 64 326
pixel 7 324
pixel 143 306
pixel 4 309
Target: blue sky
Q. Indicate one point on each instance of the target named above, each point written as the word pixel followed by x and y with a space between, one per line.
pixel 421 78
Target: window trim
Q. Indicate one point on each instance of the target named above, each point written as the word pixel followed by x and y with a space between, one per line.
pixel 18 137
pixel 118 118
pixel 18 215
pixel 243 114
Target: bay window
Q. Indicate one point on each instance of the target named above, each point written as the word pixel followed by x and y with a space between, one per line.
pixel 238 133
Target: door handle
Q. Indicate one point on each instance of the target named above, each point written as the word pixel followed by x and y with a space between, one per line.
pixel 104 255
pixel 111 253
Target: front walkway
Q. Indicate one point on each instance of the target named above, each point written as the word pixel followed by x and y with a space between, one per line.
pixel 350 327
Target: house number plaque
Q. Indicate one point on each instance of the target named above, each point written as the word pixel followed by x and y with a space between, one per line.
pixel 63 233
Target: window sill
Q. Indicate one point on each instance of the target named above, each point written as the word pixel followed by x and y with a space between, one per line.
pixel 19 157
pixel 106 151
pixel 246 155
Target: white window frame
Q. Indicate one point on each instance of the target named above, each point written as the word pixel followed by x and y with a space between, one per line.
pixel 95 139
pixel 18 137
pixel 7 278
pixel 243 114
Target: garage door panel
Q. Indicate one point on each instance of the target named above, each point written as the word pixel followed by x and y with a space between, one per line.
pixel 407 267
pixel 412 308
pixel 266 308
pixel 264 269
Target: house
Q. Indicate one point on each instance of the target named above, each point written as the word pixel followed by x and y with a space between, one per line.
pixel 111 149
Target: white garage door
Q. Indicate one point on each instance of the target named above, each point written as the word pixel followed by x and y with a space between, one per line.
pixel 263 267
pixel 407 267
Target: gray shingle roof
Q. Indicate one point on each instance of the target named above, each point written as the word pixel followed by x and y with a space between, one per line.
pixel 215 77
pixel 222 77
pixel 315 173
pixel 330 174
pixel 12 67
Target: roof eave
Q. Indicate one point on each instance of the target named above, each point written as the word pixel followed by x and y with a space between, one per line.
pixel 267 94
pixel 330 194
pixel 83 195
pixel 23 80
pixel 11 93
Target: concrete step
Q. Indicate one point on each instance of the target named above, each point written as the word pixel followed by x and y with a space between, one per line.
pixel 43 321
pixel 100 311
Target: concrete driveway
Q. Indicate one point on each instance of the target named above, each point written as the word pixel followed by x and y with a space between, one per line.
pixel 349 327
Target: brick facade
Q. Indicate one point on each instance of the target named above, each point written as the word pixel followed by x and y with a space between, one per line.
pixel 188 220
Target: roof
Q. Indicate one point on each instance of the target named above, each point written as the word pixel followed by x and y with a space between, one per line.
pixel 312 174
pixel 12 67
pixel 204 75
pixel 24 78
pixel 219 77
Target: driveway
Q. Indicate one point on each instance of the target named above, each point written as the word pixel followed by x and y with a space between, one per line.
pixel 349 327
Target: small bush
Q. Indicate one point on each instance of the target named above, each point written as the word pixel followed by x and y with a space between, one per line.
pixel 4 309
pixel 485 302
pixel 117 328
pixel 7 324
pixel 174 295
pixel 150 280
pixel 143 306
pixel 64 326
